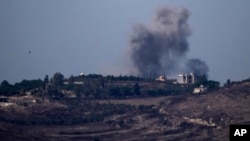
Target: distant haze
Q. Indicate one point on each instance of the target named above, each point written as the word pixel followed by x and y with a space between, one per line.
pixel 161 47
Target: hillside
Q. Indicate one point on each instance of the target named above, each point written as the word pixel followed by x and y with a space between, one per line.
pixel 177 117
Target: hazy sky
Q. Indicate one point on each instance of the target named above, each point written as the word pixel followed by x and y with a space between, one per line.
pixel 91 36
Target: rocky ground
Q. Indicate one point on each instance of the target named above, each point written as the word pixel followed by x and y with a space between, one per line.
pixel 189 117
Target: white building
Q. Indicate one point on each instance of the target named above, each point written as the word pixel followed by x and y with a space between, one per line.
pixel 186 78
pixel 200 89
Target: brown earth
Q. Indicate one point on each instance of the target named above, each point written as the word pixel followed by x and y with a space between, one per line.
pixel 203 117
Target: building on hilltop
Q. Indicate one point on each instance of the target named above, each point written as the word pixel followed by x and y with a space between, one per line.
pixel 161 78
pixel 164 79
pixel 186 78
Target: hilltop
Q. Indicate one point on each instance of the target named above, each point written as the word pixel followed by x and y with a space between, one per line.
pixel 95 86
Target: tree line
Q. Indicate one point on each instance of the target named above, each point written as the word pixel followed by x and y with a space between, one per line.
pixel 96 86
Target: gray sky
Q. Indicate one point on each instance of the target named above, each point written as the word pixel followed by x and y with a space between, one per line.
pixel 91 36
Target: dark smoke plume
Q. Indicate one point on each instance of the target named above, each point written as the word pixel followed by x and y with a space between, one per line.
pixel 197 66
pixel 161 47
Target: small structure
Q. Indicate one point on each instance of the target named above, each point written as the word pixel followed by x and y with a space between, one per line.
pixel 161 78
pixel 186 78
pixel 4 99
pixel 78 82
pixel 200 89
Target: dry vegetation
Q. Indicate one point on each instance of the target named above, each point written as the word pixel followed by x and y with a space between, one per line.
pixel 137 101
pixel 184 117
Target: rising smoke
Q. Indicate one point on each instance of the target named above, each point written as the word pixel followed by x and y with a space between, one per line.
pixel 161 47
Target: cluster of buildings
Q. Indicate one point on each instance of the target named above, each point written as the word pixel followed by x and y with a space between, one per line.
pixel 182 79
pixel 185 79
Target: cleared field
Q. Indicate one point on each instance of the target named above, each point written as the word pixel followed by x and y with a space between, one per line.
pixel 136 102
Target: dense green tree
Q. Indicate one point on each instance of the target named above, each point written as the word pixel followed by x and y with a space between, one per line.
pixel 136 89
pixel 125 92
pixel 71 79
pixel 58 79
pixel 228 83
pixel 5 83
pixel 29 84
pixel 213 85
pixel 114 92
pixel 94 76
pixel 6 88
pixel 46 79
pixel 201 80
pixel 54 93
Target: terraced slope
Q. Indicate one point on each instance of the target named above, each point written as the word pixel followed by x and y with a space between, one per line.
pixel 185 117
